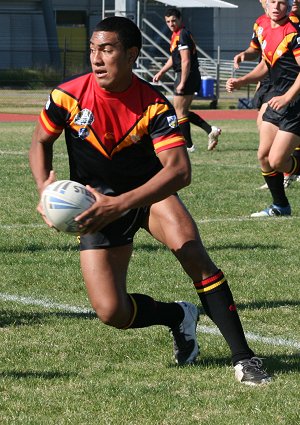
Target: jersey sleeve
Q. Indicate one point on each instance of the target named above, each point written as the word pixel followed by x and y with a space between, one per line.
pixel 254 40
pixel 164 129
pixel 53 117
pixel 295 45
pixel 185 41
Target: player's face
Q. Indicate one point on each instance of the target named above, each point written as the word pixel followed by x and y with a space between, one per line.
pixel 173 23
pixel 111 63
pixel 296 7
pixel 277 9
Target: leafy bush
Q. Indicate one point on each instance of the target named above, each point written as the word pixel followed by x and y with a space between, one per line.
pixel 29 78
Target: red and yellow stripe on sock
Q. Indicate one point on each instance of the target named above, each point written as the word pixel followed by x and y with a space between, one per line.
pixel 210 283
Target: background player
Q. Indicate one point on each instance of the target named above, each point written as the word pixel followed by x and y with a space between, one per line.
pixel 263 92
pixel 280 129
pixel 184 61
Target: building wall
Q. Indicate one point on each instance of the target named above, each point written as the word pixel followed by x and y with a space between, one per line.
pixel 24 44
pixel 233 27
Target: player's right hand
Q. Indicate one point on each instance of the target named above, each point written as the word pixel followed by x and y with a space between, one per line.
pixel 51 179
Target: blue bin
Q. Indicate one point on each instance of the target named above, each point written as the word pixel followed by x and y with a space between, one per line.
pixel 207 86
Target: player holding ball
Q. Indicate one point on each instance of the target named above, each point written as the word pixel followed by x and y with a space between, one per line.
pixel 125 145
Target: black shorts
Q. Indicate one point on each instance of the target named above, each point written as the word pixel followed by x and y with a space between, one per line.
pixel 118 233
pixel 286 119
pixel 192 85
pixel 262 95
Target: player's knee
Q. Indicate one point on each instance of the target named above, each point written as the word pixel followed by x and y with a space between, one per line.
pixel 263 159
pixel 108 314
pixel 276 163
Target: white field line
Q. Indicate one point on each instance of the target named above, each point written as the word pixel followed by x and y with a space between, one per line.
pixel 277 341
pixel 204 221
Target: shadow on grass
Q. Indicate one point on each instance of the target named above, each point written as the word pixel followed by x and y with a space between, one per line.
pixel 13 318
pixel 267 304
pixel 260 305
pixel 281 363
pixel 32 248
pixel 34 374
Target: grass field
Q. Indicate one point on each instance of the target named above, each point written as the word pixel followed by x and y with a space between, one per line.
pixel 59 365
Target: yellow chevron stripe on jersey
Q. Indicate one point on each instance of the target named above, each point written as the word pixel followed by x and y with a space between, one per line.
pixel 282 48
pixel 65 101
pixel 139 129
pixel 70 104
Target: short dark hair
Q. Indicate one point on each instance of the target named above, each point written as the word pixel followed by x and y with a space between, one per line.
pixel 173 11
pixel 128 32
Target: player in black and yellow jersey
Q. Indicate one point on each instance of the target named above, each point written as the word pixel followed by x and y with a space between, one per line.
pixel 184 61
pixel 279 40
pixel 124 143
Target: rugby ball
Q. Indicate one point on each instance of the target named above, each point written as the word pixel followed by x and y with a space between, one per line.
pixel 64 200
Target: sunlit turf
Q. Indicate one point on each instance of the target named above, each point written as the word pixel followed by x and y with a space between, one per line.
pixel 60 365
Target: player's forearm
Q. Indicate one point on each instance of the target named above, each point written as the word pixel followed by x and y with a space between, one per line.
pixel 40 160
pixel 167 66
pixel 185 71
pixel 294 90
pixel 41 154
pixel 256 75
pixel 165 183
pixel 251 54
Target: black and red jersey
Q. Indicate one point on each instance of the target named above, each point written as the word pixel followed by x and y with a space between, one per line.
pixel 180 40
pixel 279 46
pixel 112 138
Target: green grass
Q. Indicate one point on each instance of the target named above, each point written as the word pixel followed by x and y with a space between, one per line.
pixel 60 366
pixel 31 101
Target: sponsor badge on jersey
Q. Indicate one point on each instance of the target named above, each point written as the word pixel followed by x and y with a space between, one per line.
pixel 83 133
pixel 172 121
pixel 84 117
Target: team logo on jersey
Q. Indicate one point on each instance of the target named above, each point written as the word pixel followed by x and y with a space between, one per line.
pixel 172 121
pixel 279 52
pixel 84 117
pixel 260 31
pixel 83 133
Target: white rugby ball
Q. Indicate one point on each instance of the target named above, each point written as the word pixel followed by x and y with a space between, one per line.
pixel 64 200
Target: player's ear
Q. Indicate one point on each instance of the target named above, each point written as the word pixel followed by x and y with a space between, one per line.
pixel 133 54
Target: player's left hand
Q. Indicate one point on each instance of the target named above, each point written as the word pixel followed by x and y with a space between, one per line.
pixel 233 84
pixel 104 211
pixel 180 88
pixel 278 102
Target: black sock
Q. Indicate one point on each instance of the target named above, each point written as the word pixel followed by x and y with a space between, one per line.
pixel 148 312
pixel 199 122
pixel 185 128
pixel 274 180
pixel 218 304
